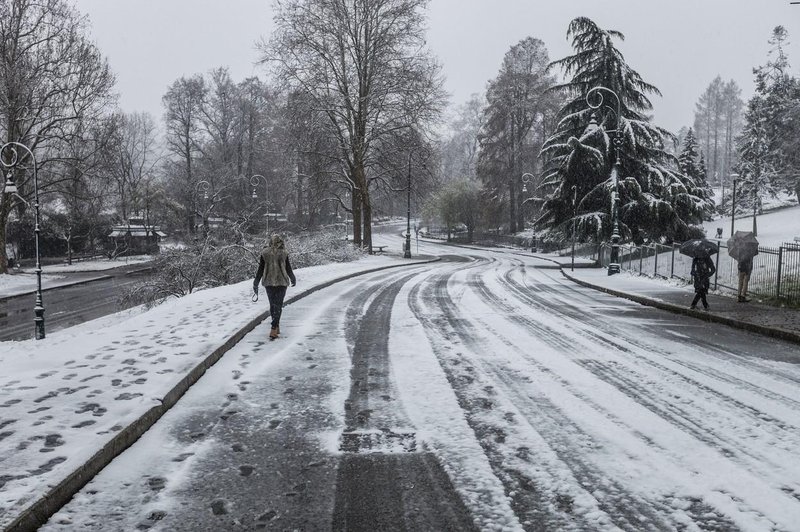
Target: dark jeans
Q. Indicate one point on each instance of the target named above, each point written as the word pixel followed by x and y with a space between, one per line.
pixel 700 294
pixel 275 294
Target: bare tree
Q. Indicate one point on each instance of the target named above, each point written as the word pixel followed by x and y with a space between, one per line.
pixel 460 147
pixel 183 120
pixel 52 80
pixel 220 121
pixel 366 68
pixel 131 159
pixel 717 123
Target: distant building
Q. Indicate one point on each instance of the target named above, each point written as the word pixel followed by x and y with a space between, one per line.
pixel 135 238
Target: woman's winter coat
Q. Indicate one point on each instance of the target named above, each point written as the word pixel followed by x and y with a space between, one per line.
pixel 702 270
pixel 274 268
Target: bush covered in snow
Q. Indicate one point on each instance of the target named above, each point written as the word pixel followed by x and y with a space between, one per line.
pixel 227 257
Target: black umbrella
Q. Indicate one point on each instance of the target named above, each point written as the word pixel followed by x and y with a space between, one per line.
pixel 742 245
pixel 699 248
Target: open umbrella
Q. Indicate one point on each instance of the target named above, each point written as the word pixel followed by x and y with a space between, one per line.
pixel 743 245
pixel 699 248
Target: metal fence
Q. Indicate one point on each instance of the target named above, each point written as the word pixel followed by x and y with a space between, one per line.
pixel 776 270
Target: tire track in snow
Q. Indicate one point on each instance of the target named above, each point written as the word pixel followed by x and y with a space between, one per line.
pixel 386 490
pixel 529 496
pixel 514 314
pixel 696 423
pixel 556 290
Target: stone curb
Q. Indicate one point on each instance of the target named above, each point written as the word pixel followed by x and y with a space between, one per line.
pixel 774 332
pixel 37 513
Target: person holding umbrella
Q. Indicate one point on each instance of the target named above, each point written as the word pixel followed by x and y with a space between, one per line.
pixel 742 247
pixel 702 267
pixel 702 270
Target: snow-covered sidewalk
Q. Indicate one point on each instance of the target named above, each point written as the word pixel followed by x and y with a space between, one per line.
pixel 676 296
pixel 73 401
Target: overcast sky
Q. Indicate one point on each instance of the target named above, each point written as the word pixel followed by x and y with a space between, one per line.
pixel 677 45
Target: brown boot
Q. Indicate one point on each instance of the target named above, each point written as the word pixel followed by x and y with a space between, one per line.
pixel 273 333
pixel 278 330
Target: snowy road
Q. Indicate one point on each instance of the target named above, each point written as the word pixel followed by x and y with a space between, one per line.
pixel 69 305
pixel 482 391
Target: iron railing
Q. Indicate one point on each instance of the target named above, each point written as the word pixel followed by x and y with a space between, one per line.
pixel 776 270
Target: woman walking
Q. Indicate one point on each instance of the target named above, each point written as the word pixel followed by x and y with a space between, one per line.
pixel 702 270
pixel 275 273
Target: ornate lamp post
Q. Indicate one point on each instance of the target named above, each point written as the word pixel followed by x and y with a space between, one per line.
pixel 11 188
pixel 735 179
pixel 614 266
pixel 204 187
pixel 407 250
pixel 527 179
pixel 254 183
pixel 574 222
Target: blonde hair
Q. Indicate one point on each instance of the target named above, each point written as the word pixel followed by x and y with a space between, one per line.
pixel 276 241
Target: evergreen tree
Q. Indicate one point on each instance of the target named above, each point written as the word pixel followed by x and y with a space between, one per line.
pixel 768 149
pixel 688 158
pixel 703 187
pixel 756 156
pixel 717 122
pixel 656 201
pixel 702 171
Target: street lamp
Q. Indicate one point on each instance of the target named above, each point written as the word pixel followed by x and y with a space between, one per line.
pixel 407 250
pixel 613 266
pixel 574 221
pixel 527 179
pixel 755 204
pixel 735 179
pixel 11 188
pixel 254 183
pixel 204 187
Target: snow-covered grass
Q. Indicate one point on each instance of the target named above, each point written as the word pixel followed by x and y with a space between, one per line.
pixel 95 265
pixel 769 203
pixel 774 227
pixel 13 284
pixel 23 281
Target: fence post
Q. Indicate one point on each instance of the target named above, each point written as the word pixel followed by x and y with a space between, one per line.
pixel 672 264
pixel 655 261
pixel 641 258
pixel 780 265
pixel 716 268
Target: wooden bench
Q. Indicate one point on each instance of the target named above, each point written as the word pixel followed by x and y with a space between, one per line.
pixel 379 249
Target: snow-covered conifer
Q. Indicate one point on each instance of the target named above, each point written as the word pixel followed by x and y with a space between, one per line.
pixel 657 202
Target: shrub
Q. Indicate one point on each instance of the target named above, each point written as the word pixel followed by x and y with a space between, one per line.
pixel 224 258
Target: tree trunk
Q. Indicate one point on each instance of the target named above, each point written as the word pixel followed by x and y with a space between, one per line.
pixel 367 221
pixel 512 193
pixel 356 207
pixel 5 199
pixel 512 207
